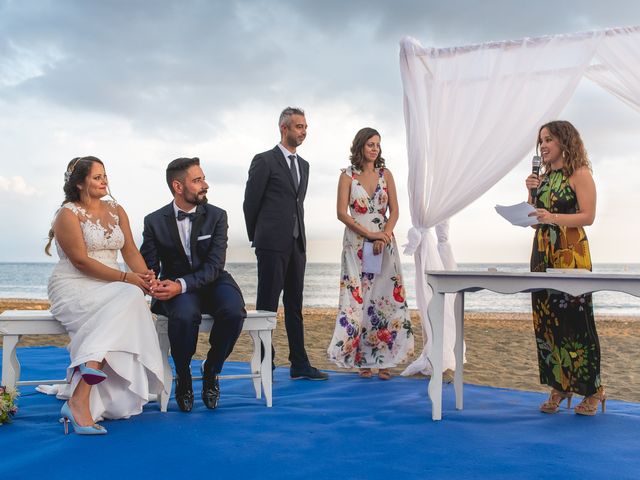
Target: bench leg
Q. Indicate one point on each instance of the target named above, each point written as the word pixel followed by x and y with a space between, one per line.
pixel 163 339
pixel 255 363
pixel 10 363
pixel 265 370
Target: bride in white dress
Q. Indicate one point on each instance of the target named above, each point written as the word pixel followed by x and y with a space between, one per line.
pixel 115 356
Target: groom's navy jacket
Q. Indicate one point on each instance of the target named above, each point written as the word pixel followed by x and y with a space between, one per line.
pixel 163 251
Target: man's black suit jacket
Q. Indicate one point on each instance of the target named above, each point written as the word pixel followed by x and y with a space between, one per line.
pixel 271 202
pixel 163 251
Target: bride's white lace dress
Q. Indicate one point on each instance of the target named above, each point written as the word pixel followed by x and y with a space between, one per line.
pixel 108 321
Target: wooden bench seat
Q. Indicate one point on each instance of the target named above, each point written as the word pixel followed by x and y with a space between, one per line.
pixel 15 323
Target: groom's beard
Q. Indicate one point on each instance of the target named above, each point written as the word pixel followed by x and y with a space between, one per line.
pixel 199 198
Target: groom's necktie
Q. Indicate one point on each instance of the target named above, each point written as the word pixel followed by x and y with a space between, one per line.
pixel 296 184
pixel 294 171
pixel 182 215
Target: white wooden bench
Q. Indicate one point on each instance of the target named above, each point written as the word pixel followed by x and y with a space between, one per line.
pixel 259 324
pixel 14 323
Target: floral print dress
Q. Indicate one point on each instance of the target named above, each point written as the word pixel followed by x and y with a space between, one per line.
pixel 373 327
pixel 566 337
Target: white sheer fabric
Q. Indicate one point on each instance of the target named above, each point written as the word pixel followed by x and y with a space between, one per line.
pixel 471 115
pixel 619 71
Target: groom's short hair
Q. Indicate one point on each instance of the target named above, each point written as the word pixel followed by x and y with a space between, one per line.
pixel 177 170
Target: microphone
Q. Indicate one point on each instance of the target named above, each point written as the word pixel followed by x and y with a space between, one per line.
pixel 535 169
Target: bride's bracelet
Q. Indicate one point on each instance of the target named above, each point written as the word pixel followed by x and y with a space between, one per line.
pixel 123 277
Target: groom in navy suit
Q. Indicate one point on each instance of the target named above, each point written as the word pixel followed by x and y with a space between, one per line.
pixel 185 243
pixel 274 216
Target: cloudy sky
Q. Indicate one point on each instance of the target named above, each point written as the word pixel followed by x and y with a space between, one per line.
pixel 139 83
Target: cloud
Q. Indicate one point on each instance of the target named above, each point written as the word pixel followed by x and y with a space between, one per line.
pixel 140 83
pixel 16 185
pixel 171 69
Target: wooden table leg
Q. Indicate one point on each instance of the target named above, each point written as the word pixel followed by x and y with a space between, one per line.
pixel 436 319
pixel 458 377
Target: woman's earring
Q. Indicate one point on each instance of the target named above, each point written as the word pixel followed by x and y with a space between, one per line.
pixel 564 154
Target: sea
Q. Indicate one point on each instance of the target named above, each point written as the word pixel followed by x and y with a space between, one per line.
pixel 29 280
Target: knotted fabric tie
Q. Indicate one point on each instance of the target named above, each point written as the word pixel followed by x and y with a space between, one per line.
pixel 296 183
pixel 294 171
pixel 415 237
pixel 191 216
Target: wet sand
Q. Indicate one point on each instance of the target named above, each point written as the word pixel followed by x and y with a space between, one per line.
pixel 500 347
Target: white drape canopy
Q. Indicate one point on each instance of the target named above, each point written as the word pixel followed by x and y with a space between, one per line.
pixel 472 113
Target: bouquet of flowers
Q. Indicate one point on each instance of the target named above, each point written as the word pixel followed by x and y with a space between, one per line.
pixel 8 407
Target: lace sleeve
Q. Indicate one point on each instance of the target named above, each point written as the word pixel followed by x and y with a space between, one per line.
pixel 113 210
pixel 77 210
pixel 70 206
pixel 112 203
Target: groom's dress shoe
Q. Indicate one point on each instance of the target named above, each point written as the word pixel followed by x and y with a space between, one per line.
pixel 210 391
pixel 307 372
pixel 184 393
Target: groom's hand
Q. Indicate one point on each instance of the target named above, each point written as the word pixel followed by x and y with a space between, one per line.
pixel 166 290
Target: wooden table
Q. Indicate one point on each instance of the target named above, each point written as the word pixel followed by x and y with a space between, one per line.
pixel 458 281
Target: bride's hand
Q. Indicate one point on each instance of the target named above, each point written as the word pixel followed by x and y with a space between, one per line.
pixel 141 280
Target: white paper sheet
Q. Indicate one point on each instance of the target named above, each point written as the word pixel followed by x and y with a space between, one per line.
pixel 371 263
pixel 518 214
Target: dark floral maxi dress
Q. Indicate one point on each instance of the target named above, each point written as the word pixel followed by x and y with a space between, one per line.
pixel 566 337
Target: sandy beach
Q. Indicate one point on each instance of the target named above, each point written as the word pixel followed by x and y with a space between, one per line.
pixel 500 347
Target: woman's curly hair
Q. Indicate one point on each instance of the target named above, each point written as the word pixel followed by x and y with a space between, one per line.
pixel 573 151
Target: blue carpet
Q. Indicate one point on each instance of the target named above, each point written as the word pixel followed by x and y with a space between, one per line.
pixel 344 428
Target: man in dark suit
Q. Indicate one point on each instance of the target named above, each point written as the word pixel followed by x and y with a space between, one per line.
pixel 185 243
pixel 274 215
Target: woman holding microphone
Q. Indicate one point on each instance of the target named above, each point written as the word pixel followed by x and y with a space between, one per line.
pixel 566 337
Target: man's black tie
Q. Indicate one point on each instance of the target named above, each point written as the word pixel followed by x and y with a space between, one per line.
pixel 296 183
pixel 294 171
pixel 182 215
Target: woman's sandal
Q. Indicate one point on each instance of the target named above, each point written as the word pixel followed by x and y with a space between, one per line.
pixel 552 405
pixel 364 373
pixel 384 374
pixel 587 407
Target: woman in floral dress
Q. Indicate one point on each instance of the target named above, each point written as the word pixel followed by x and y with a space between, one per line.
pixel 566 337
pixel 373 328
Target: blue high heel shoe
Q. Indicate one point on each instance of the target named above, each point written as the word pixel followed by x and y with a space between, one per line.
pixel 67 417
pixel 91 376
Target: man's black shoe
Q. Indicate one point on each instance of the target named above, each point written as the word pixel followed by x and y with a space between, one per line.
pixel 184 393
pixel 308 373
pixel 210 391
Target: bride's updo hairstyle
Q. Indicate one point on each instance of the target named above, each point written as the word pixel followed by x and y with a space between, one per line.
pixel 77 171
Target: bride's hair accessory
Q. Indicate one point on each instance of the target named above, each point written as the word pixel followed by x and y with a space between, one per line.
pixel 69 172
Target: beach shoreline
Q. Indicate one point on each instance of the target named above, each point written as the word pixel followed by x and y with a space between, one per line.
pixel 500 347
